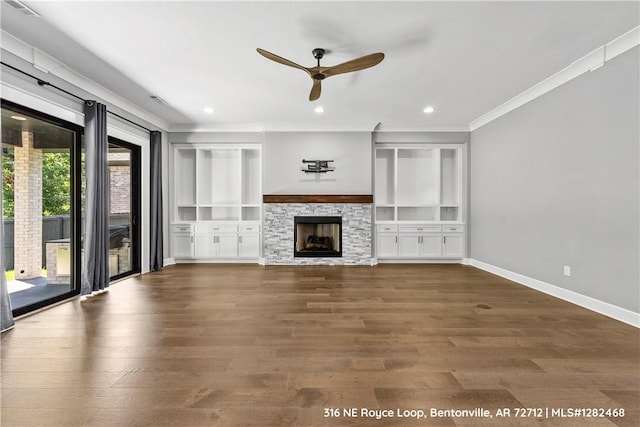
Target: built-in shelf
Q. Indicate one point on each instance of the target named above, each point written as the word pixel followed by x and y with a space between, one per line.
pixel 418 183
pixel 418 202
pixel 217 182
pixel 218 210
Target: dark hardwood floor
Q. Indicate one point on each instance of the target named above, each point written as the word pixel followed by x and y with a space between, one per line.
pixel 244 345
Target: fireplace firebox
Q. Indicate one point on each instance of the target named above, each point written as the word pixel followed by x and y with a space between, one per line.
pixel 317 236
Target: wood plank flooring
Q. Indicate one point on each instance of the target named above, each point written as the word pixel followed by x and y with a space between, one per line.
pixel 244 345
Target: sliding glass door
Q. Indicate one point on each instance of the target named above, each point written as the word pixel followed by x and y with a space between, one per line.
pixel 41 187
pixel 124 208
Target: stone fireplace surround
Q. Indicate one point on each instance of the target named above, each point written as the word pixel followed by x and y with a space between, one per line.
pixel 279 212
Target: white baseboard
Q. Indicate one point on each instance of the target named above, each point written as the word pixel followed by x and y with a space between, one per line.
pixel 618 313
pixel 168 261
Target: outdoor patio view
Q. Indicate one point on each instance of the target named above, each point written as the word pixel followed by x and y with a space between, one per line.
pixel 37 177
pixel 36 191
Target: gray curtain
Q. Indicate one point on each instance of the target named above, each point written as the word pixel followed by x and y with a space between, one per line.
pixel 156 254
pixel 6 316
pixel 95 261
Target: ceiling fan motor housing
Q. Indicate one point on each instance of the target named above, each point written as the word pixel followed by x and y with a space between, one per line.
pixel 318 53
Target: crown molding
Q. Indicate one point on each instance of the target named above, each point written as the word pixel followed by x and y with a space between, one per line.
pixel 313 126
pixel 215 127
pixel 590 62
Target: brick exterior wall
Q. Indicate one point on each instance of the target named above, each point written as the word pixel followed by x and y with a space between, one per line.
pixel 120 181
pixel 28 209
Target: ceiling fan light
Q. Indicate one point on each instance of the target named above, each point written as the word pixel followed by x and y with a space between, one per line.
pixel 209 110
pixel 428 110
pixel 319 109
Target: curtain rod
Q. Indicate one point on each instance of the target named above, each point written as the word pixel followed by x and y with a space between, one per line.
pixel 46 83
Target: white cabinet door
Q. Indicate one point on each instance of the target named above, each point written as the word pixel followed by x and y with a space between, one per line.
pixel 227 245
pixel 183 246
pixel 249 245
pixel 410 246
pixel 387 245
pixel 452 246
pixel 431 246
pixel 205 246
pixel 420 245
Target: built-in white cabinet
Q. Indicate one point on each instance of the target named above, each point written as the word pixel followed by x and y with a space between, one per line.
pixel 217 192
pixel 249 242
pixel 418 194
pixel 216 241
pixel 420 242
pixel 387 241
pixel 183 241
pixel 452 241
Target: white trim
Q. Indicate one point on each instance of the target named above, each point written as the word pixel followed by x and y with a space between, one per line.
pixel 318 127
pixel 212 127
pixel 39 103
pixel 168 261
pixel 393 127
pixel 218 261
pixel 618 313
pixel 48 64
pixel 419 261
pixel 590 62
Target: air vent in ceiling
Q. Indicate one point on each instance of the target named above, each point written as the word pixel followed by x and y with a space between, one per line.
pixel 17 4
pixel 158 100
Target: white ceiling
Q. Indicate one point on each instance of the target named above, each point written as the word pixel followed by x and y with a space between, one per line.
pixel 463 58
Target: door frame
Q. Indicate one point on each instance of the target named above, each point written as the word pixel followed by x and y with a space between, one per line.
pixel 75 211
pixel 136 205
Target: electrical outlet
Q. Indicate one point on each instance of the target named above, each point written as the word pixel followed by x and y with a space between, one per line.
pixel 567 271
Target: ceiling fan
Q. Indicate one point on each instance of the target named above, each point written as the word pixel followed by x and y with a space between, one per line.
pixel 319 73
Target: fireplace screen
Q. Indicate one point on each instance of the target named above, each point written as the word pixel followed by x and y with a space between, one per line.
pixel 317 236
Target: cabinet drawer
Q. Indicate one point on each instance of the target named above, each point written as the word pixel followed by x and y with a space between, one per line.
pixel 387 229
pixel 453 228
pixel 420 229
pixel 184 228
pixel 217 228
pixel 249 228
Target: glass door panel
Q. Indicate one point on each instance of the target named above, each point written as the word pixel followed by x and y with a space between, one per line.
pixel 38 187
pixel 124 207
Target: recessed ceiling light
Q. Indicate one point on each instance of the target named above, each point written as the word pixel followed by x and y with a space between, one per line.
pixel 429 110
pixel 319 110
pixel 209 110
pixel 19 118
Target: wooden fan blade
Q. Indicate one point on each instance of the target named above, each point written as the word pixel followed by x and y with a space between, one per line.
pixel 361 63
pixel 281 60
pixel 315 90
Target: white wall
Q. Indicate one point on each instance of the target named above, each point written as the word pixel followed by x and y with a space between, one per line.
pixel 282 159
pixel 556 182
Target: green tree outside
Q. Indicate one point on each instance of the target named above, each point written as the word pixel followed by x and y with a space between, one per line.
pixel 56 183
pixel 7 184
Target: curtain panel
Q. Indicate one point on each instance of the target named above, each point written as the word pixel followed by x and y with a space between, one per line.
pixel 6 315
pixel 155 226
pixel 95 260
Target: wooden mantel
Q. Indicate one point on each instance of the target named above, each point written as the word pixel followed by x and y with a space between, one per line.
pixel 317 198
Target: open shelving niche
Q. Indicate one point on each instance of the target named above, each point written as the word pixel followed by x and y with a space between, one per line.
pixel 418 184
pixel 217 183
